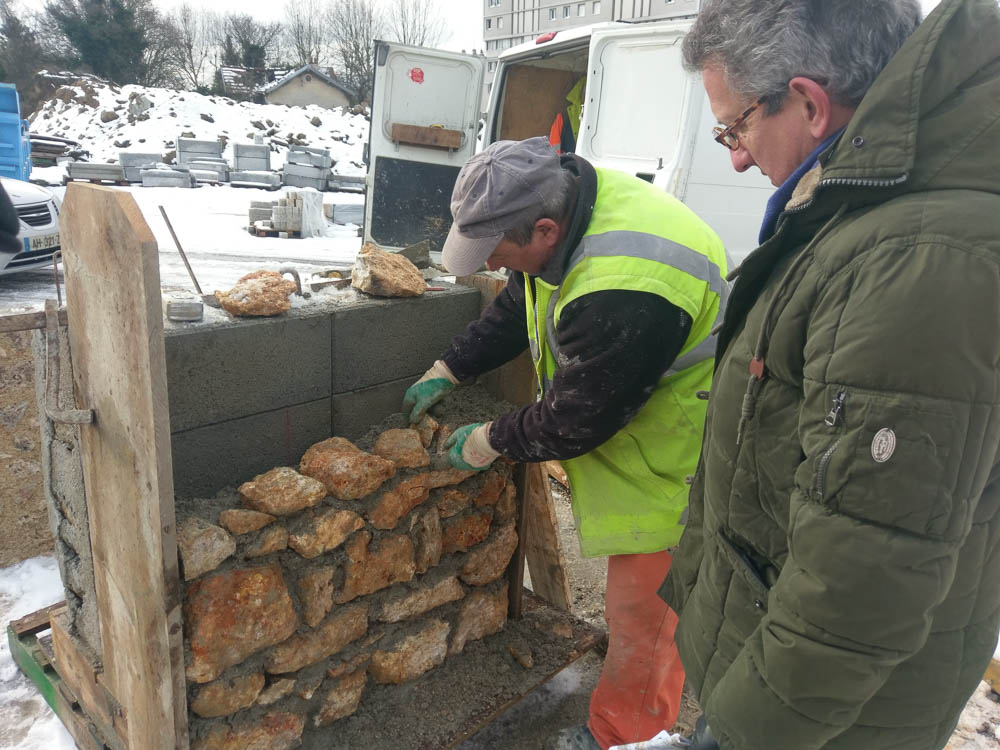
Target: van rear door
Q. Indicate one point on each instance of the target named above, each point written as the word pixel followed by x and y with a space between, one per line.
pixel 424 123
pixel 638 98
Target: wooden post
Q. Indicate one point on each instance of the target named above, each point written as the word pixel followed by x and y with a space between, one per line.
pixel 119 365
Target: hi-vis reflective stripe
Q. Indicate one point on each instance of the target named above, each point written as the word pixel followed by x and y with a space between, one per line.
pixel 651 247
pixel 706 349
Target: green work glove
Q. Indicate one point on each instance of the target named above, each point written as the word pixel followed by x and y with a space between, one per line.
pixel 470 448
pixel 433 386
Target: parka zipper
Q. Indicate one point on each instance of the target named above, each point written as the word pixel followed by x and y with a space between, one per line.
pixel 833 418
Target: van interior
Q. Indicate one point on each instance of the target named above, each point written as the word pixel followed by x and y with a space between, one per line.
pixel 534 92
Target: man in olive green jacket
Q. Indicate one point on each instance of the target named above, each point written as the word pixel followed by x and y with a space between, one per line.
pixel 838 583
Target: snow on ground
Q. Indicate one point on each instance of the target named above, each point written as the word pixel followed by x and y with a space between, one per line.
pixel 26 721
pixel 210 222
pixel 175 112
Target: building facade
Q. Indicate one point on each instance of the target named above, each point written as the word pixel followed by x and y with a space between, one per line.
pixel 507 23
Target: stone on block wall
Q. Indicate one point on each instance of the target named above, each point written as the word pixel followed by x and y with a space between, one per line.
pixel 376 586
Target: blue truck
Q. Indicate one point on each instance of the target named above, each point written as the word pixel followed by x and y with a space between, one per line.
pixel 37 209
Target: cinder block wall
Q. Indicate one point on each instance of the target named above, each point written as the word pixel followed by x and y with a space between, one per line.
pixel 248 397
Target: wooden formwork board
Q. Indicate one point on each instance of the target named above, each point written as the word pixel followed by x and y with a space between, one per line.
pixel 119 366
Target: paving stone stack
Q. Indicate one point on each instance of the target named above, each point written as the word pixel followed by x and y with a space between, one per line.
pixel 307 167
pixel 356 569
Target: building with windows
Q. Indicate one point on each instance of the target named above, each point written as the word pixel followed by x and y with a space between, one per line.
pixel 507 23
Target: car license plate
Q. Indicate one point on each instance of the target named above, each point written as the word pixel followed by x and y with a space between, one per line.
pixel 44 242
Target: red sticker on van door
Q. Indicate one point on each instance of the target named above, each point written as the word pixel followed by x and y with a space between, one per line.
pixel 417 75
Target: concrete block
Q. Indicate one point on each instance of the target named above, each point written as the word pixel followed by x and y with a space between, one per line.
pixel 259 214
pixel 176 179
pixel 386 340
pixel 189 149
pixel 201 175
pixel 220 169
pixel 316 183
pixel 222 373
pixel 305 170
pixel 81 170
pixel 304 158
pixel 132 161
pixel 347 183
pixel 246 164
pixel 309 149
pixel 228 453
pixel 356 412
pixel 268 180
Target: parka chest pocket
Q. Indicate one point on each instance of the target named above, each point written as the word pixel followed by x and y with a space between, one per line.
pixel 888 459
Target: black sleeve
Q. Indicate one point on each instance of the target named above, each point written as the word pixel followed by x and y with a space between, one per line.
pixel 614 348
pixel 9 225
pixel 499 335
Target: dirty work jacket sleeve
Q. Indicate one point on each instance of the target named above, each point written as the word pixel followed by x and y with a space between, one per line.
pixel 614 347
pixel 499 335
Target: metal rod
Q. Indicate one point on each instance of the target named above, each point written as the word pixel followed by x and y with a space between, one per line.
pixel 55 276
pixel 180 249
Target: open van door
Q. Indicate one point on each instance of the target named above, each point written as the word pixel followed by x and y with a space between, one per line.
pixel 638 98
pixel 424 123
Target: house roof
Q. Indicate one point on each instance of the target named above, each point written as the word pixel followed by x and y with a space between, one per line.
pixel 314 70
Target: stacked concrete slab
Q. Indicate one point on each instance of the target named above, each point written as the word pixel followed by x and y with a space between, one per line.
pixel 352 364
pixel 307 167
pixel 347 183
pixel 191 149
pixel 210 170
pixel 251 157
pixel 83 170
pixel 168 176
pixel 134 161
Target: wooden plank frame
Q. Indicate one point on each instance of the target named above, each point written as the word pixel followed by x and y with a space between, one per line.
pixel 425 135
pixel 116 339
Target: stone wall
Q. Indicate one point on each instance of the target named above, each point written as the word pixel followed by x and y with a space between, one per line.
pixel 313 585
pixel 24 527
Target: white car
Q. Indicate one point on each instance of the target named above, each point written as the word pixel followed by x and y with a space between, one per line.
pixel 38 213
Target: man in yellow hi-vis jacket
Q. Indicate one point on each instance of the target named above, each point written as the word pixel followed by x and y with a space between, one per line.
pixel 616 289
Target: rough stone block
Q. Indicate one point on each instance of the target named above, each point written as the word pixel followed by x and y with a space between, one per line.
pixel 316 595
pixel 415 330
pixel 343 699
pixel 226 697
pixel 462 532
pixel 483 613
pixel 427 428
pixel 506 507
pixel 276 691
pixel 281 491
pixel 488 562
pixel 234 614
pixel 345 626
pixel 397 502
pixel 426 531
pixel 490 489
pixel 207 369
pixel 324 531
pixel 270 540
pixel 258 294
pixel 403 447
pixel 349 666
pixel 274 731
pixel 452 501
pixel 202 546
pixel 240 521
pixel 209 458
pixel 414 655
pixel 368 571
pixel 414 603
pixel 385 274
pixel 347 472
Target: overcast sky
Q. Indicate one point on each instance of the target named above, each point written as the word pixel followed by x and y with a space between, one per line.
pixel 464 17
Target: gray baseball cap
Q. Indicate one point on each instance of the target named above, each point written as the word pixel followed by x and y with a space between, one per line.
pixel 496 190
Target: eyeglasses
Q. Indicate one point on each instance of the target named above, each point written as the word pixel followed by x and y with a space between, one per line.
pixel 727 135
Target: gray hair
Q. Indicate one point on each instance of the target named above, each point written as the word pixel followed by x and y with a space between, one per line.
pixel 760 46
pixel 555 205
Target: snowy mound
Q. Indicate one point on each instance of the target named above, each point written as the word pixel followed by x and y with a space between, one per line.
pixel 106 119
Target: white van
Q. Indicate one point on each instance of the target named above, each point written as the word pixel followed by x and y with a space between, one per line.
pixel 38 226
pixel 643 114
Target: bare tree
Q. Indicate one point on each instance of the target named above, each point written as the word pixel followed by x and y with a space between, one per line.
pixel 197 30
pixel 306 32
pixel 417 22
pixel 355 25
pixel 256 42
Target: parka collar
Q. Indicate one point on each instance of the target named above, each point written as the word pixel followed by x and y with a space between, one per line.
pixel 880 141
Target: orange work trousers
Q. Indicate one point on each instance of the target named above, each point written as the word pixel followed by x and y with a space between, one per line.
pixel 639 693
